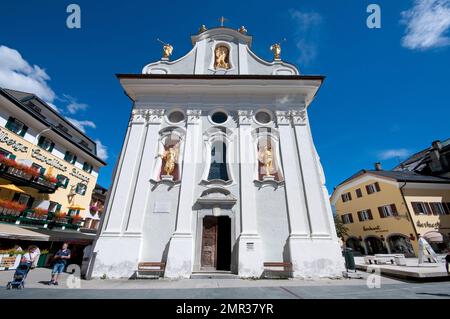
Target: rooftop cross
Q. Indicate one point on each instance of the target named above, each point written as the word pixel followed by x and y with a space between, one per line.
pixel 222 20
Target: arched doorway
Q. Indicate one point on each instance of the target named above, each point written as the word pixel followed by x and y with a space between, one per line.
pixel 400 244
pixel 374 245
pixel 356 245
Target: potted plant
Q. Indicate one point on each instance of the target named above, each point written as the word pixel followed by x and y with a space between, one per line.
pixel 61 217
pixel 40 213
pixel 76 219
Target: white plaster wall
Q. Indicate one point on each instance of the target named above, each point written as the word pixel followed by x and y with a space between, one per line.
pixel 158 228
pixel 272 223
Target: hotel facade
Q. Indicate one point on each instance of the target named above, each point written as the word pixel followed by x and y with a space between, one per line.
pixel 386 211
pixel 48 171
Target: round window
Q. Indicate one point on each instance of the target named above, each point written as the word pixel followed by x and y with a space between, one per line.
pixel 176 117
pixel 219 117
pixel 263 117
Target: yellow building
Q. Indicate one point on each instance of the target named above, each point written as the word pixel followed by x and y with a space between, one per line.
pixel 48 167
pixel 386 211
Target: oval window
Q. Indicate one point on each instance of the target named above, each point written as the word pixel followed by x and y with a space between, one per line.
pixel 219 117
pixel 176 117
pixel 263 117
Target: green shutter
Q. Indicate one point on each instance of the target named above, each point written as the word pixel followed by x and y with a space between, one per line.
pixel 66 155
pixel 41 141
pixel 8 124
pixel 12 156
pixel 74 159
pixel 23 131
pixel 52 146
pixel 58 208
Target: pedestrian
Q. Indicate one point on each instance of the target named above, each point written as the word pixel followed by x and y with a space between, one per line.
pixel 29 256
pixel 37 254
pixel 17 248
pixel 59 263
pixel 447 261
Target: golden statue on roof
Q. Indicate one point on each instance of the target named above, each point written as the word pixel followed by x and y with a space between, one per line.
pixel 276 49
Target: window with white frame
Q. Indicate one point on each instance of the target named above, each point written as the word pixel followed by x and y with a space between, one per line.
pixel 347 218
pixel 346 197
pixel 387 211
pixel 364 215
pixel 373 188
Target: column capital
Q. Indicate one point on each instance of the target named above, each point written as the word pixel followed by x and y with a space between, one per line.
pixel 283 117
pixel 138 116
pixel 154 116
pixel 245 117
pixel 193 116
pixel 298 117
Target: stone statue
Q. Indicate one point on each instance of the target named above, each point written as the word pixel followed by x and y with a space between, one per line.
pixel 221 53
pixel 202 28
pixel 276 49
pixel 242 30
pixel 170 157
pixel 266 158
pixel 167 50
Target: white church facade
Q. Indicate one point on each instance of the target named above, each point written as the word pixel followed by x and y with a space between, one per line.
pixel 218 170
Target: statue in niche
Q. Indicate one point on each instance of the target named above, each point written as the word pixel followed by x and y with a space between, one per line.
pixel 266 158
pixel 222 57
pixel 167 50
pixel 170 157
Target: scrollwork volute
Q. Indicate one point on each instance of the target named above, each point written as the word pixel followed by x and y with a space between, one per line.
pixel 245 116
pixel 298 117
pixel 138 116
pixel 155 116
pixel 193 116
pixel 283 117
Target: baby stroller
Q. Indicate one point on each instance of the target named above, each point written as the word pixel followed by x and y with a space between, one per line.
pixel 20 274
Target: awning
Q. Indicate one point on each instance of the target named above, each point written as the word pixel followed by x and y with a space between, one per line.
pixel 12 187
pixel 434 237
pixel 16 232
pixel 67 235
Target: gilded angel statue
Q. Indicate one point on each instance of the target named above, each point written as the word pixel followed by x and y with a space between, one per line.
pixel 266 158
pixel 276 49
pixel 170 157
pixel 221 53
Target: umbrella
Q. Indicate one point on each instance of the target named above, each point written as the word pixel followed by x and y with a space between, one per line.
pixel 12 187
pixel 77 207
pixel 434 237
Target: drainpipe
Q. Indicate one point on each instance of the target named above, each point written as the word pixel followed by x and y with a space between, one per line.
pixel 407 210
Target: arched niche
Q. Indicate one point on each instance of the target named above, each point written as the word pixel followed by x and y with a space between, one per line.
pixel 267 137
pixel 217 156
pixel 171 137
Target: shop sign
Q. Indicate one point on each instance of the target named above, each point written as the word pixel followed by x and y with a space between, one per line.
pixel 427 224
pixel 76 173
pixel 17 146
pixel 376 229
pixel 36 153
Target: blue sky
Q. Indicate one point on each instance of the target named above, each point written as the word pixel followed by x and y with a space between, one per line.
pixel 386 93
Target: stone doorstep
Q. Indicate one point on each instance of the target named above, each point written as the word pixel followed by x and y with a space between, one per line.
pixel 213 275
pixel 405 273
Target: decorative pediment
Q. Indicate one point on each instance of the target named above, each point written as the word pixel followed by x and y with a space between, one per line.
pixel 216 196
pixel 220 51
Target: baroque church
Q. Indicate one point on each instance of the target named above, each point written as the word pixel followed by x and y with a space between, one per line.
pixel 218 171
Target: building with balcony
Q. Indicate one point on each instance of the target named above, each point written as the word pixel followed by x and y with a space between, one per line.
pixel 96 209
pixel 48 170
pixel 385 211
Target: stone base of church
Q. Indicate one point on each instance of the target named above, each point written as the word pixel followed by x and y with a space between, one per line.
pixel 250 256
pixel 116 257
pixel 180 256
pixel 315 258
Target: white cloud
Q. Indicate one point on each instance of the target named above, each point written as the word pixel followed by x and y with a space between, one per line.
pixel 306 29
pixel 74 106
pixel 102 150
pixel 394 153
pixel 81 125
pixel 17 74
pixel 427 23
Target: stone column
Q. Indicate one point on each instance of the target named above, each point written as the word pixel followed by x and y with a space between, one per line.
pixel 299 229
pixel 321 254
pixel 112 239
pixel 181 247
pixel 127 173
pixel 250 244
pixel 142 188
pixel 320 225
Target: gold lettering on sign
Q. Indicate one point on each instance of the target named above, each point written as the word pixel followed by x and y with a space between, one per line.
pixel 17 146
pixel 76 173
pixel 427 224
pixel 36 153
